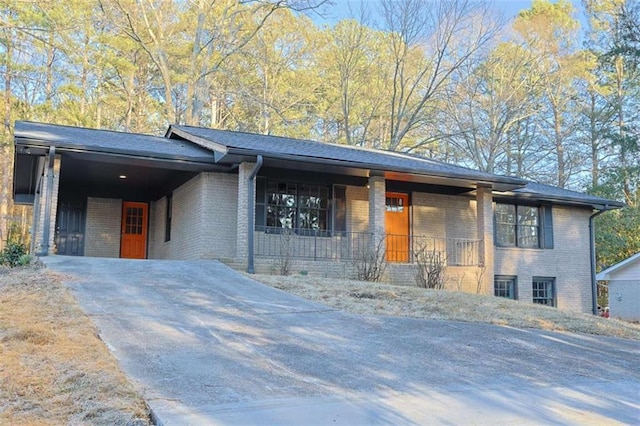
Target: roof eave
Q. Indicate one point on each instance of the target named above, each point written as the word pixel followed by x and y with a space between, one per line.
pixel 500 183
pixel 83 149
pixel 602 205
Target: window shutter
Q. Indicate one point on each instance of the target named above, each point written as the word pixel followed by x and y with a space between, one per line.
pixel 261 190
pixel 339 208
pixel 547 223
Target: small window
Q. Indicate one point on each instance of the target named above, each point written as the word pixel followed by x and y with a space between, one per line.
pixel 394 204
pixel 167 223
pixel 505 286
pixel 544 291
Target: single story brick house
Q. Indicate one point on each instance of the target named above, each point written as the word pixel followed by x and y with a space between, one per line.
pixel 624 288
pixel 249 200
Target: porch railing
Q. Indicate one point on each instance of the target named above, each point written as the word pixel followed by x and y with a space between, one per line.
pixel 337 245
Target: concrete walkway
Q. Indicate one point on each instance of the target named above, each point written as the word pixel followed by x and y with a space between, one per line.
pixel 205 345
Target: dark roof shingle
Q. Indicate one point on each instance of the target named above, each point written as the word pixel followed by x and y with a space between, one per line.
pixel 110 141
pixel 382 160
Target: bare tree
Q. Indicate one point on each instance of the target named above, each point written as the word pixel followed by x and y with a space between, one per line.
pixel 429 41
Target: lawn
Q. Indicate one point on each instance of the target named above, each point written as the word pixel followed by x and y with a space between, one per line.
pixel 54 369
pixel 410 301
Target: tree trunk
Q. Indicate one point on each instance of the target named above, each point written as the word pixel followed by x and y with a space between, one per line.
pixel 5 145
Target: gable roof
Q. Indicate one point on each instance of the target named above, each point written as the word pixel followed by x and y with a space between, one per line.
pixel 605 274
pixel 204 148
pixel 231 142
pixel 107 142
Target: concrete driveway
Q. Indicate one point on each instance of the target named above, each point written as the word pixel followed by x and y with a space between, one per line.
pixel 205 345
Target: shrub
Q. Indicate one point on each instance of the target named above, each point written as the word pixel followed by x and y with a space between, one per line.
pixel 370 264
pixel 14 254
pixel 24 260
pixel 430 266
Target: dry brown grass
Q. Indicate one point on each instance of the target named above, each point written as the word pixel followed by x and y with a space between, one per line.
pixel 54 369
pixel 385 299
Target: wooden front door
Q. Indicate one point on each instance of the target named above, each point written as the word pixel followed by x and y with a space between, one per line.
pixel 133 242
pixel 397 227
pixel 70 225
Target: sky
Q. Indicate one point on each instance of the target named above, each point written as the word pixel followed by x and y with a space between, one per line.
pixel 341 9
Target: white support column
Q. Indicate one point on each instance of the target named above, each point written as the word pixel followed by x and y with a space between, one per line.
pixel 377 209
pixel 484 200
pixel 242 250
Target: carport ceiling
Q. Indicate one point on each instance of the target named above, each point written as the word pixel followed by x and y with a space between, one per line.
pixel 111 180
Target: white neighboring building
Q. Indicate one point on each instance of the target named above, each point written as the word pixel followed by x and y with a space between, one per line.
pixel 624 288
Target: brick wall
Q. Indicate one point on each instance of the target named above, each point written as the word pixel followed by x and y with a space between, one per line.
pixel 102 238
pixel 568 261
pixel 41 220
pixel 203 223
pixel 242 198
pixel 188 209
pixel 219 226
pixel 443 216
pixel 357 209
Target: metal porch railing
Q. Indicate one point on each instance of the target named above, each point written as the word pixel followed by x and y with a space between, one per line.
pixel 337 245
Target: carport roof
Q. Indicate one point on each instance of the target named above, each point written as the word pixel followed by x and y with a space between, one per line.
pixel 80 139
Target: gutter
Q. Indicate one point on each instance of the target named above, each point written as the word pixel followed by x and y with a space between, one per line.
pixel 592 250
pixel 85 149
pixel 251 212
pixel 46 226
pixel 514 183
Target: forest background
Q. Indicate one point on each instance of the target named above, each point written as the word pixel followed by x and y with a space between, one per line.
pixel 550 95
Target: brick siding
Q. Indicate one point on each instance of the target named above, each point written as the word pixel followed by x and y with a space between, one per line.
pixel 203 223
pixel 568 262
pixel 102 236
pixel 39 229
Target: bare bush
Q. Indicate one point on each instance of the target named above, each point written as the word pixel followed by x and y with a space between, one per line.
pixel 430 266
pixel 285 258
pixel 480 278
pixel 369 265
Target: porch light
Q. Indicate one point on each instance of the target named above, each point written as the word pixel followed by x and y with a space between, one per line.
pixel 122 176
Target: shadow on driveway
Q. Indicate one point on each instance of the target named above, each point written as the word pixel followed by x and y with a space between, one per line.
pixel 206 345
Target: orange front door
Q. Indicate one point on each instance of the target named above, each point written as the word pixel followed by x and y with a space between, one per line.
pixel 397 227
pixel 133 243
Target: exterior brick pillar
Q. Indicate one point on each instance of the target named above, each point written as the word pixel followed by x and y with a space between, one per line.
pixel 484 200
pixel 242 250
pixel 51 220
pixel 377 209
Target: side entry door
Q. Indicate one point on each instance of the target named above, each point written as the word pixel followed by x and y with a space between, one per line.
pixel 70 225
pixel 133 240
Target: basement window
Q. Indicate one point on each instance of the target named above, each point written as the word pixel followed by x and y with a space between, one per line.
pixel 505 286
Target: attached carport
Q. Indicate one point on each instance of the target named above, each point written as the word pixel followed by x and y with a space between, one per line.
pixel 68 172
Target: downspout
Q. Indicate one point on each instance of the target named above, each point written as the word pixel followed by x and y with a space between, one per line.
pixel 251 212
pixel 592 249
pixel 46 230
